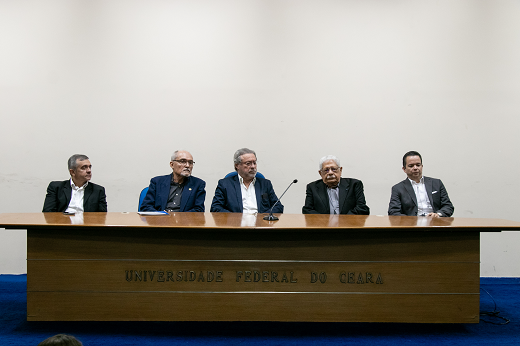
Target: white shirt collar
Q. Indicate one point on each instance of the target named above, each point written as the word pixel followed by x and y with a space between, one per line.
pixel 74 187
pixel 241 180
pixel 420 181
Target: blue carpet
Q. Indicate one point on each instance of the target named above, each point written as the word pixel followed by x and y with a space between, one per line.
pixel 15 330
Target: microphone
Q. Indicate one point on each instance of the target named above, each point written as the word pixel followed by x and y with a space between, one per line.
pixel 271 217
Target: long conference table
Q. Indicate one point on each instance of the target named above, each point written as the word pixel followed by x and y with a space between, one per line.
pixel 235 267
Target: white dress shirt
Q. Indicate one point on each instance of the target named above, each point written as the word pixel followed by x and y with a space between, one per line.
pixel 248 196
pixel 76 199
pixel 424 206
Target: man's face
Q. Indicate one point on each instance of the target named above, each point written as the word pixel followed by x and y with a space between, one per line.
pixel 183 164
pixel 413 168
pixel 330 173
pixel 82 173
pixel 247 166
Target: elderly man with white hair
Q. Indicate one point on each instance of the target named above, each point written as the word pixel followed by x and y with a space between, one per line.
pixel 334 195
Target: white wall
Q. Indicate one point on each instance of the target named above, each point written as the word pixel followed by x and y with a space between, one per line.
pixel 128 82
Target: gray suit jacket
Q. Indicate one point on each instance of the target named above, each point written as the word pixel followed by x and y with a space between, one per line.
pixel 404 202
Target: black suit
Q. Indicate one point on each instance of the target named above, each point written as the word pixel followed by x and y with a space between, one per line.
pixel 59 193
pixel 403 200
pixel 351 198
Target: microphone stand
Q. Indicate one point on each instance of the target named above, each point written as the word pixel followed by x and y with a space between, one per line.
pixel 271 217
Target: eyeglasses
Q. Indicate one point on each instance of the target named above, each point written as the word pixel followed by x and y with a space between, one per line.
pixel 185 162
pixel 331 169
pixel 249 163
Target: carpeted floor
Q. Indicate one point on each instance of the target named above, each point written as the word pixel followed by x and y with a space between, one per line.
pixel 15 330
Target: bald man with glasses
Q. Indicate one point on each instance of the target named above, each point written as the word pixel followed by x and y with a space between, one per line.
pixel 178 191
pixel 332 194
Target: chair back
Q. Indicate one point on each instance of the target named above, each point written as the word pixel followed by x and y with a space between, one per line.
pixel 141 197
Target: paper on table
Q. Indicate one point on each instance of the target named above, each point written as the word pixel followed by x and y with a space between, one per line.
pixel 147 213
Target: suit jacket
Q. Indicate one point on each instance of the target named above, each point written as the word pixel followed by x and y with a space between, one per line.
pixel 228 196
pixel 59 193
pixel 404 202
pixel 192 199
pixel 351 198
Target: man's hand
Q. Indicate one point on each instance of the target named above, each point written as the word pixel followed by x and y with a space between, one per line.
pixel 433 215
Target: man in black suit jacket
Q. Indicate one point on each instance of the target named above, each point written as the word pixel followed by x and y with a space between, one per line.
pixel 418 195
pixel 77 194
pixel 333 194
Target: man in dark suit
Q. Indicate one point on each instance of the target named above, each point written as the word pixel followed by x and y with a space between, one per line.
pixel 178 191
pixel 332 194
pixel 245 192
pixel 418 195
pixel 77 194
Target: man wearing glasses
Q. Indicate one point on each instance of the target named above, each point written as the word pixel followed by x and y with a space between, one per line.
pixel 245 192
pixel 176 192
pixel 333 194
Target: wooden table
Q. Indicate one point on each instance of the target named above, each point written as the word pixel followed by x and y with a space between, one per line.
pixel 234 267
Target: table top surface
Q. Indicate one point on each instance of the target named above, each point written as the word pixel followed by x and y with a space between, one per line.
pixel 245 222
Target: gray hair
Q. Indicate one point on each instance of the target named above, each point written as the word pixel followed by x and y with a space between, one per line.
pixel 238 154
pixel 174 155
pixel 61 340
pixel 328 158
pixel 73 160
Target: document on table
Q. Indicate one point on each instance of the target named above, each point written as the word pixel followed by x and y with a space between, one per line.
pixel 148 213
